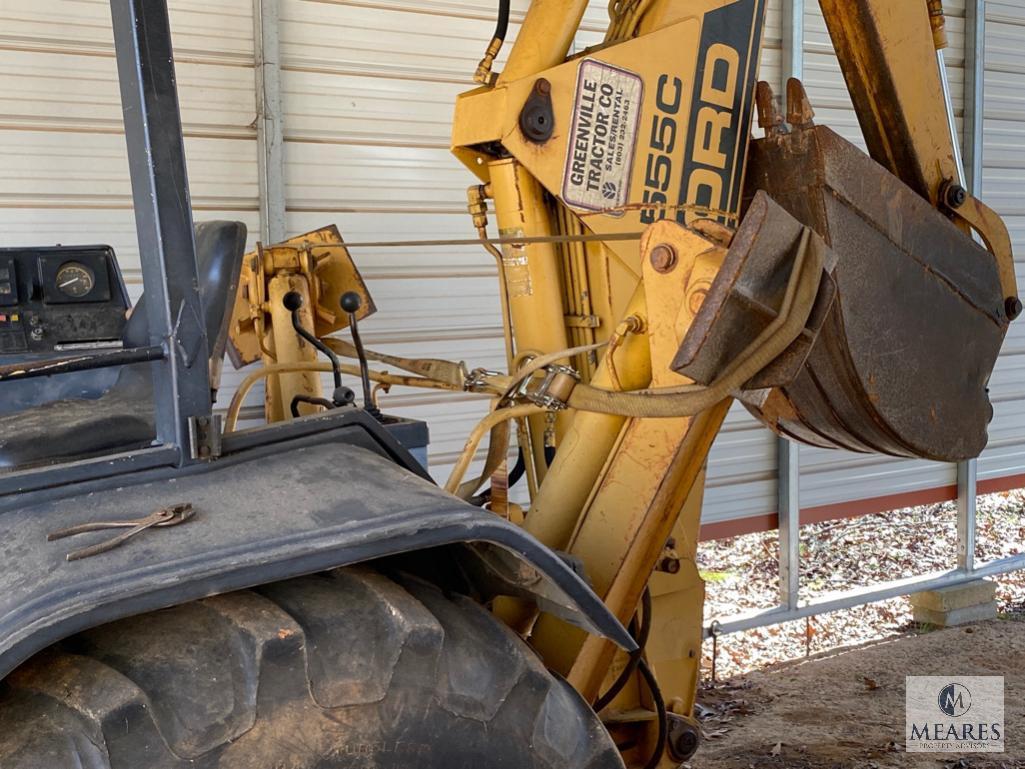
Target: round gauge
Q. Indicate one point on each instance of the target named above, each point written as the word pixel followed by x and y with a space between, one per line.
pixel 74 279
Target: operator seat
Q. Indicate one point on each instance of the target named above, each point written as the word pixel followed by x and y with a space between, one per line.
pixel 122 418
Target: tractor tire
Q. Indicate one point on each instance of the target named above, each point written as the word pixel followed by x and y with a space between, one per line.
pixel 344 669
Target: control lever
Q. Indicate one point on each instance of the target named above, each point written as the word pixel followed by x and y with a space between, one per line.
pixel 351 302
pixel 342 396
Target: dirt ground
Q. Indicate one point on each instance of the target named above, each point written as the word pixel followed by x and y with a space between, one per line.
pixel 845 709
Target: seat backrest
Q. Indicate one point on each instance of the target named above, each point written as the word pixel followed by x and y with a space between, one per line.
pixel 220 246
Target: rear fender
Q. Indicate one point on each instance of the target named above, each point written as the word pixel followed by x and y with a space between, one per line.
pixel 266 511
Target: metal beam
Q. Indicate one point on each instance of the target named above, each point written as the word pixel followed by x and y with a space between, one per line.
pixel 974 92
pixel 966 496
pixel 793 40
pixel 163 217
pixel 865 595
pixel 789 495
pixel 787 452
pixel 269 122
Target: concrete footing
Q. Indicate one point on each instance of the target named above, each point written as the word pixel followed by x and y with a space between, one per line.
pixel 959 605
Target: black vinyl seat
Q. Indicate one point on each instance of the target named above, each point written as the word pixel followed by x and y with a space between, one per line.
pixel 122 418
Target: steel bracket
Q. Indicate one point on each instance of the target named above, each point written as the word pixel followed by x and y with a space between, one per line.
pixel 205 437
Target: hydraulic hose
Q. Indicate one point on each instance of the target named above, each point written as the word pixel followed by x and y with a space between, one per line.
pixel 483 73
pixel 688 400
pixel 235 408
pixel 635 656
pixel 502 24
pixel 483 428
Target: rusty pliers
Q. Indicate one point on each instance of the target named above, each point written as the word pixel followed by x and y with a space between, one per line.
pixel 167 516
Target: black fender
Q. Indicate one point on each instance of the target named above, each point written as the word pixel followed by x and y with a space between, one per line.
pixel 322 493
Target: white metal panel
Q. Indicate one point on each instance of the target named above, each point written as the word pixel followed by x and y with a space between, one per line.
pixel 368 94
pixel 62 139
pixel 1003 180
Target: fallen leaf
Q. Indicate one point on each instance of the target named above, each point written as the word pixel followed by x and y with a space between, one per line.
pixel 870 684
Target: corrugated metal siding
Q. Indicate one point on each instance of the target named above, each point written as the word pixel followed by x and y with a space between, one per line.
pixel 64 170
pixel 368 95
pixel 1003 181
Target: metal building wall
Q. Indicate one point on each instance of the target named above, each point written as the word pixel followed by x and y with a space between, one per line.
pixel 63 163
pixel 362 94
pixel 1003 184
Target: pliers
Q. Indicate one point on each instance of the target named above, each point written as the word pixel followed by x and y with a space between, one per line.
pixel 167 516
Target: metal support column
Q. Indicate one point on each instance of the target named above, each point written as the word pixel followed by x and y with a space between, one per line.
pixel 793 40
pixel 966 493
pixel 163 219
pixel 788 452
pixel 974 87
pixel 789 523
pixel 269 122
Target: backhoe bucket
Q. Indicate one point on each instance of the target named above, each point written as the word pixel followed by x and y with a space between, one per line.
pixel 909 320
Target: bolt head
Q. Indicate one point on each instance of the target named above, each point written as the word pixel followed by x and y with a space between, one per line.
pixel 1012 306
pixel 670 565
pixel 684 738
pixel 663 258
pixel 956 195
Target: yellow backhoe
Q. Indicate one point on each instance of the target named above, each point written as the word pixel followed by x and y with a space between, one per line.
pixel 656 263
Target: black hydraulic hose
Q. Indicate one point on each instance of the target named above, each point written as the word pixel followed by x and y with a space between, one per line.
pixel 518 471
pixel 309 399
pixel 663 716
pixel 515 475
pixel 636 656
pixel 502 25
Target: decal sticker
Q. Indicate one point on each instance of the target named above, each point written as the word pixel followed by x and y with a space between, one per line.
pixel 711 142
pixel 722 109
pixel 599 159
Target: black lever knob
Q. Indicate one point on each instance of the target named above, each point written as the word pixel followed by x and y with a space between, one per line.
pixel 351 302
pixel 293 300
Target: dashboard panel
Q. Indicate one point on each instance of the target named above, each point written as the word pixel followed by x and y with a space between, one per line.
pixel 60 299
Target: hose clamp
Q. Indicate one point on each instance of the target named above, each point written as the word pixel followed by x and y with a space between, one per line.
pixel 553 391
pixel 478 379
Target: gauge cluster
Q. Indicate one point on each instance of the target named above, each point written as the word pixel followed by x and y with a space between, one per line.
pixel 60 299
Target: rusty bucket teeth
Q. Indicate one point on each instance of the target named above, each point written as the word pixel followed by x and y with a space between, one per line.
pixel 909 320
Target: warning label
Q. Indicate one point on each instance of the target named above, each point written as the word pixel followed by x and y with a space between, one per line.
pixel 599 158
